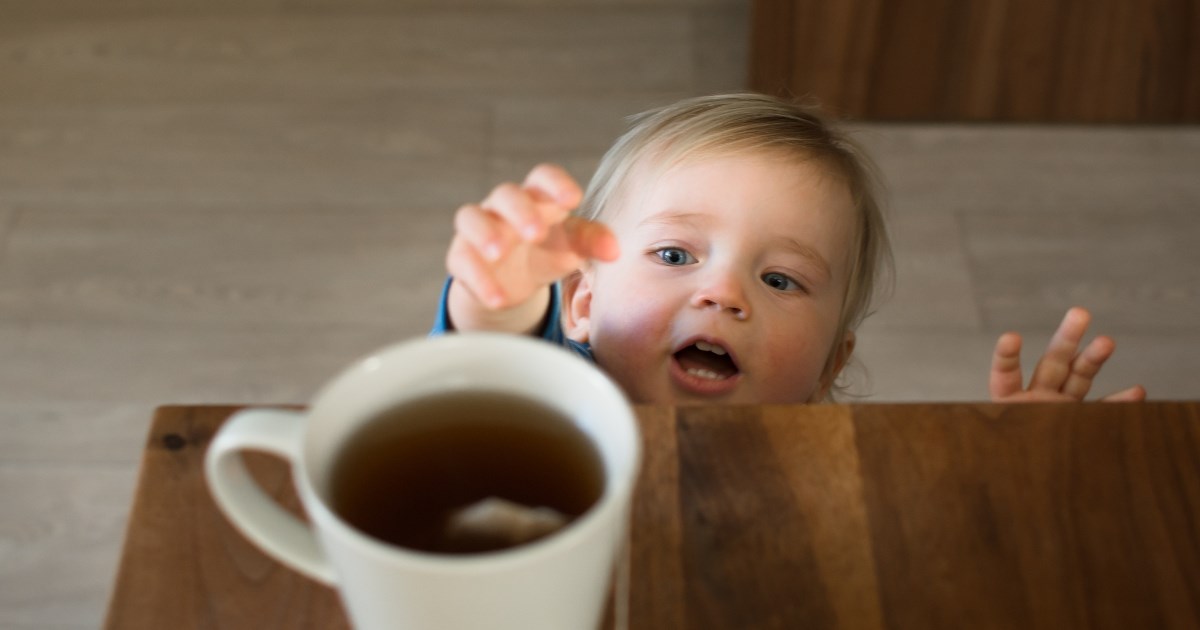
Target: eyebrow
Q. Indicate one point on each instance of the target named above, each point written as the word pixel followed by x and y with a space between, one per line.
pixel 673 218
pixel 807 252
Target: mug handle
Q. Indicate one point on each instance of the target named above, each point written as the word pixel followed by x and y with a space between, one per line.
pixel 255 514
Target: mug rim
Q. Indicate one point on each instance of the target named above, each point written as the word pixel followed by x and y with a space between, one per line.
pixel 618 484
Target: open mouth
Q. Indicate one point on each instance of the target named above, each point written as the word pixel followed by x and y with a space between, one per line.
pixel 707 361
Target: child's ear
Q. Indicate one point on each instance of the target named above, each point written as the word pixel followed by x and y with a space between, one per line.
pixel 833 367
pixel 577 306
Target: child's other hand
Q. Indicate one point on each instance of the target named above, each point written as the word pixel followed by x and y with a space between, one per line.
pixel 521 238
pixel 1063 374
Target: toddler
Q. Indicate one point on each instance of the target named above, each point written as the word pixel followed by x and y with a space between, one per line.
pixel 726 251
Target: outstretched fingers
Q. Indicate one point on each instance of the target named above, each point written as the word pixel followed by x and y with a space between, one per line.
pixel 1086 366
pixel 1054 369
pixel 512 213
pixel 1006 379
pixel 528 213
pixel 522 237
pixel 466 265
pixel 1064 372
pixel 552 183
pixel 591 239
pixel 484 231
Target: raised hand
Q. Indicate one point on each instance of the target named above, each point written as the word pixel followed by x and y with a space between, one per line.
pixel 1063 374
pixel 508 249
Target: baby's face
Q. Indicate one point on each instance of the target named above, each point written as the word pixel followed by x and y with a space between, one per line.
pixel 728 289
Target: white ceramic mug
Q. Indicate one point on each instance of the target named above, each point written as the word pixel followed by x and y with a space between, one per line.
pixel 559 582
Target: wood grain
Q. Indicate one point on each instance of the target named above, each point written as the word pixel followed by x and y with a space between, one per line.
pixel 820 462
pixel 735 500
pixel 995 60
pixel 990 516
pixel 657 582
pixel 187 564
pixel 861 516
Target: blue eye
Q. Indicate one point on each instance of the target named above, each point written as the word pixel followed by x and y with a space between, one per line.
pixel 674 256
pixel 781 282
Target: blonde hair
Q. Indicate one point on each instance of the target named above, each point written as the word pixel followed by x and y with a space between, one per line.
pixel 733 123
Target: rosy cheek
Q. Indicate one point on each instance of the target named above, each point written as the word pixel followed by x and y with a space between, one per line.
pixel 630 329
pixel 634 316
pixel 628 337
pixel 796 363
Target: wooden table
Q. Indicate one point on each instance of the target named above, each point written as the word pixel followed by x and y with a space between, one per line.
pixel 827 516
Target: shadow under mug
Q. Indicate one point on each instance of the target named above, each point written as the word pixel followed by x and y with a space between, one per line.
pixel 557 582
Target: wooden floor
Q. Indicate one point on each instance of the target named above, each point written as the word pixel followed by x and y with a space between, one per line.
pixel 228 201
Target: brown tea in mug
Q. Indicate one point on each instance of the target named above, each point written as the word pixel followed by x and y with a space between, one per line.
pixel 408 475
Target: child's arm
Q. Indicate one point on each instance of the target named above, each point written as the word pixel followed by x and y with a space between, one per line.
pixel 1063 374
pixel 508 249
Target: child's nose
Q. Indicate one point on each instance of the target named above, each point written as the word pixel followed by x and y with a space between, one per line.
pixel 724 293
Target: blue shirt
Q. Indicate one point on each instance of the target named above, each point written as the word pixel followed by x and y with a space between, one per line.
pixel 552 329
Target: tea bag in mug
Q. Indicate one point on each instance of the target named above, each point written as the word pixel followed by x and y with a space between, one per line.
pixel 496 523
